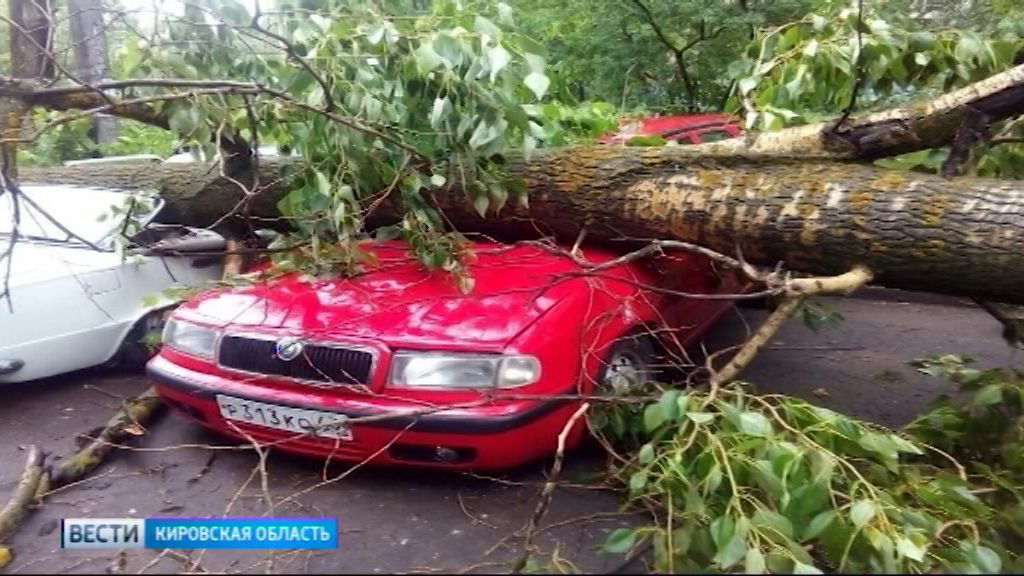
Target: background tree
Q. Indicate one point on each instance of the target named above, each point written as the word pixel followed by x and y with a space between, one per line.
pixel 88 38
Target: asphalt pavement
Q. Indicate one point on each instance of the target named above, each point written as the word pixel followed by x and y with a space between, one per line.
pixel 405 520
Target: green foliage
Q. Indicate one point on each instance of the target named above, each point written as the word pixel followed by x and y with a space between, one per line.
pixel 807 70
pixel 72 141
pixel 801 70
pixel 609 50
pixel 420 103
pixel 742 482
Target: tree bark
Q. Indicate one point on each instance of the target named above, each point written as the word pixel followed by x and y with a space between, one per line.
pixel 917 126
pixel 958 236
pixel 31 38
pixel 89 39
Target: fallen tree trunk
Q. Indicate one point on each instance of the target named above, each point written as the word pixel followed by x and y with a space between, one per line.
pixel 917 126
pixel 958 236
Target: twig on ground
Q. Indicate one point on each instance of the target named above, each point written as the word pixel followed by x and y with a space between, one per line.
pixel 548 490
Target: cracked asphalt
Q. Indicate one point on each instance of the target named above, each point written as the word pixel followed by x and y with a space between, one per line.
pixel 406 520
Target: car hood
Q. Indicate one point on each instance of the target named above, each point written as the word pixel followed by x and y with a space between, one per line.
pixel 33 263
pixel 399 302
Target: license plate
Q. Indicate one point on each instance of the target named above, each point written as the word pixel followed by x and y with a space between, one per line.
pixel 297 420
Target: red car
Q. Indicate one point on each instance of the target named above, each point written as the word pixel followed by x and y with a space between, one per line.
pixel 685 129
pixel 279 358
pixel 443 379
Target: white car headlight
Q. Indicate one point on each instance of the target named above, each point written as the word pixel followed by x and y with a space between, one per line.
pixel 452 370
pixel 190 338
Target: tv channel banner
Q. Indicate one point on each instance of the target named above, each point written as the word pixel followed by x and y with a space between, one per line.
pixel 193 533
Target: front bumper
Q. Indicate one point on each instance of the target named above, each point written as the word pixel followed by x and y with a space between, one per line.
pixel 495 435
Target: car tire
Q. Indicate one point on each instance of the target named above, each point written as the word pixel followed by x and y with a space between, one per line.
pixel 640 351
pixel 135 352
pixel 629 364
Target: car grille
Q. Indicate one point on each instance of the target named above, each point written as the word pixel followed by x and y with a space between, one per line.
pixel 317 363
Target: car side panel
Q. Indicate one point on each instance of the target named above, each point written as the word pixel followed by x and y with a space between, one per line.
pixel 55 327
pixel 142 284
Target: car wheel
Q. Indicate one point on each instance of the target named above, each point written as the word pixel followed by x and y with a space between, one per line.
pixel 628 366
pixel 139 346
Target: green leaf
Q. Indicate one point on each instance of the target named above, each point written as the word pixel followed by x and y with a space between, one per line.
pixel 755 424
pixel 732 552
pixel 754 562
pixel 968 48
pixel 773 521
pixel 480 203
pixel 185 120
pixel 497 59
pixel 529 145
pixel 485 26
pixel 983 558
pixel 700 417
pixel 646 455
pixel 437 180
pixel 811 48
pixel 483 134
pixel 801 568
pixel 818 524
pixel 653 417
pixel 505 14
pixel 989 395
pixel 323 184
pixel 862 512
pixel 669 404
pixel 427 59
pixel 438 112
pixel 713 480
pixel 620 541
pixel 722 529
pixel 374 34
pixel 880 444
pixel 538 83
pixel 638 481
pixel 535 62
pixel 908 548
pixel 747 84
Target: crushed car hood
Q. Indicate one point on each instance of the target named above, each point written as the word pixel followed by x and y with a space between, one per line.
pixel 400 302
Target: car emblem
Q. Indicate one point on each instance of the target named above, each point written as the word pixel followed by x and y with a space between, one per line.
pixel 288 349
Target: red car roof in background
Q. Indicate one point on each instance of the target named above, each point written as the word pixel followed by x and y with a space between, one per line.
pixel 672 127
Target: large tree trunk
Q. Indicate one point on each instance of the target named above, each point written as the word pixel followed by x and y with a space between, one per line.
pixel 959 236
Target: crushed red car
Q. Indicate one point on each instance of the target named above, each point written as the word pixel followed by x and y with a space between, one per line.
pixel 397 366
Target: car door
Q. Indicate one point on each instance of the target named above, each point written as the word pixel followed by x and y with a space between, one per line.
pixel 53 323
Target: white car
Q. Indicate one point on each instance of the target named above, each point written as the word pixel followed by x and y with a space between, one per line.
pixel 75 300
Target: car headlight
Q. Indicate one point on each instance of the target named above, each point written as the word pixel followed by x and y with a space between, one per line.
pixel 190 338
pixel 451 370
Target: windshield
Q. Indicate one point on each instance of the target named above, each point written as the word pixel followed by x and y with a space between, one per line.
pixel 90 214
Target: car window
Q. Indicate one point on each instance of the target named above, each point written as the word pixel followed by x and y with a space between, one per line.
pixel 89 214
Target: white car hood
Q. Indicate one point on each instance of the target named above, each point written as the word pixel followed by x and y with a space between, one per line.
pixel 34 262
